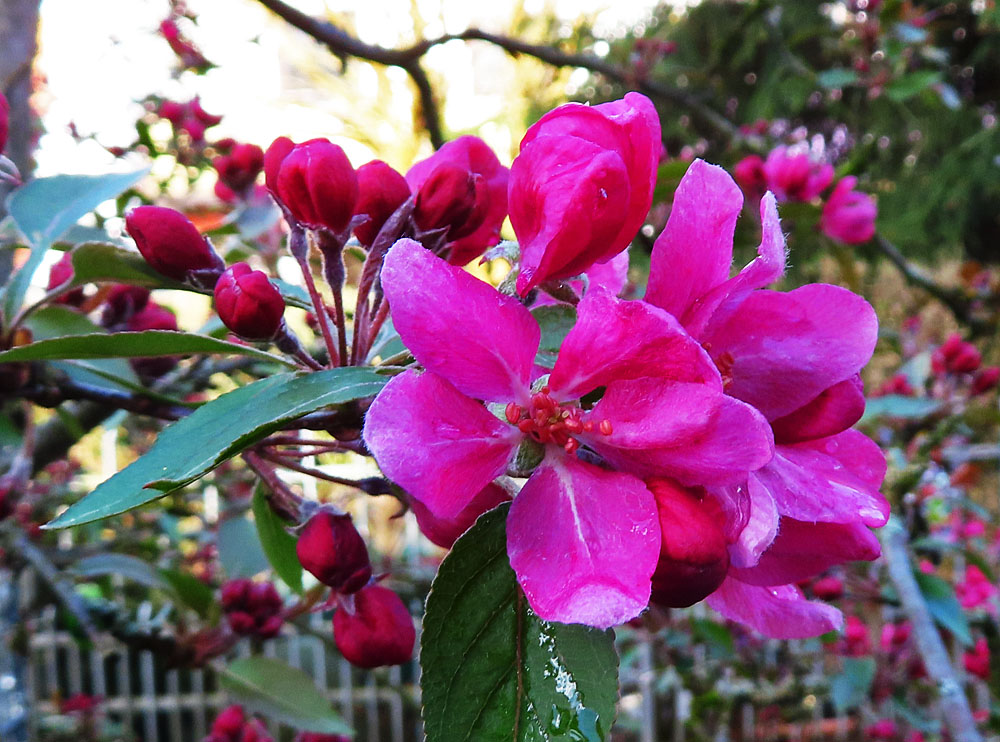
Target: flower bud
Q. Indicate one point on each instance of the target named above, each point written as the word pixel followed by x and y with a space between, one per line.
pixel 848 215
pixel 201 114
pixel 882 729
pixel 582 185
pixel 319 737
pixel 482 226
pixel 447 200
pixel 172 111
pixel 985 379
pixel 828 588
pixel 977 660
pixel 169 242
pixel 152 317
pixel 314 182
pixel 381 190
pixel 795 176
pixel 379 631
pixel 331 548
pixel 232 725
pixel 61 273
pixel 749 173
pixel 252 608
pixel 240 167
pixel 4 121
pixel 248 303
pixel 694 556
pixel 122 302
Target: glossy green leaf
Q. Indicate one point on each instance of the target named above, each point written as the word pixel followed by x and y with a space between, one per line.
pixel 216 431
pixel 944 606
pixel 149 343
pixel 281 693
pixel 129 567
pixel 45 208
pixel 492 670
pixel 852 687
pixel 277 542
pixel 240 550
pixel 99 262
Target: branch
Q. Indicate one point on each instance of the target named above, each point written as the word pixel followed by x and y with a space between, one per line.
pixel 344 45
pixel 54 395
pixel 959 305
pixel 954 704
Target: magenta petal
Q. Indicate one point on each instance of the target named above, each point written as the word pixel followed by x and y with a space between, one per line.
pixel 445 531
pixel 584 543
pixel 760 530
pixel 833 411
pixel 778 612
pixel 783 349
pixel 804 550
pixel 762 271
pixel 834 480
pixel 691 432
pixel 734 502
pixel 436 443
pixel 458 326
pixel 615 340
pixel 693 253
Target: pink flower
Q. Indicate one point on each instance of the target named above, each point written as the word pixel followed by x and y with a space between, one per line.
pixel 849 215
pixel 977 660
pixel 582 186
pixel 795 176
pixel 795 357
pixel 749 173
pixel 472 156
pixel 583 540
pixel 976 590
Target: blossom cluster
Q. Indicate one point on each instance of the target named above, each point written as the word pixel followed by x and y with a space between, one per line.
pixel 692 444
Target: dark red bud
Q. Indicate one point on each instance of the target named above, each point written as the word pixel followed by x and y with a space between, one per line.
pixel 276 153
pixel 123 301
pixel 447 199
pixel 172 111
pixel 194 128
pixel 202 115
pixel 230 721
pixel 694 557
pixel 152 317
pixel 332 550
pixel 252 607
pixel 248 303
pixel 169 242
pixel 986 379
pixel 316 184
pixel 828 588
pixel 381 190
pixel 61 273
pixel 379 631
pixel 239 169
pixel 966 360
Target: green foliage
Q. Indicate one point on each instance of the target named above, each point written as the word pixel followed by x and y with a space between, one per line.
pixel 944 606
pixel 278 543
pixel 521 678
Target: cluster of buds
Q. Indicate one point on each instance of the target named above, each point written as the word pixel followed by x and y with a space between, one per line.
pixel 371 626
pixel 252 608
pixel 856 641
pixel 188 117
pixel 957 357
pixel 848 215
pixel 233 725
pixel 238 166
pixel 188 54
pixel 976 591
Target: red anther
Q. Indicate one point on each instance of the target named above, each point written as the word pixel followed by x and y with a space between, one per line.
pixel 513 413
pixel 588 427
pixel 571 445
pixel 605 427
pixel 526 426
pixel 574 426
pixel 546 391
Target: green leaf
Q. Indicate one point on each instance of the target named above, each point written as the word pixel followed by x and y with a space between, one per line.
pixel 492 670
pixel 555 321
pixel 277 542
pixel 216 431
pixel 281 693
pixel 899 406
pixel 129 567
pixel 45 208
pixel 191 591
pixel 98 262
pixel 852 687
pixel 910 85
pixel 57 322
pixel 944 606
pixel 837 77
pixel 718 638
pixel 240 551
pixel 146 344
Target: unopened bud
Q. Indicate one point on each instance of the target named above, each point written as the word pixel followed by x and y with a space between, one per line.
pixel 169 242
pixel 378 632
pixel 248 303
pixel 332 550
pixel 381 190
pixel 314 181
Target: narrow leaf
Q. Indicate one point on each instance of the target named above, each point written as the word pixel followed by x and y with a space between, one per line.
pixel 281 693
pixel 216 431
pixel 277 542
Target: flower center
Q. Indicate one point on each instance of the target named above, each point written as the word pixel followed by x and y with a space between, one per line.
pixel 548 421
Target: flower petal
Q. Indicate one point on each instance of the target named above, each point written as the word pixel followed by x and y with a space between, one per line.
pixel 691 432
pixel 616 340
pixel 778 612
pixel 693 253
pixel 584 543
pixel 833 411
pixel 458 326
pixel 435 442
pixel 833 480
pixel 804 550
pixel 445 531
pixel 784 349
pixel 760 530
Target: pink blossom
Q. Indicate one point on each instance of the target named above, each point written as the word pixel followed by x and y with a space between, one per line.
pixel 583 540
pixel 795 176
pixel 473 156
pixel 977 660
pixel 795 357
pixel 976 590
pixel 582 185
pixel 849 215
